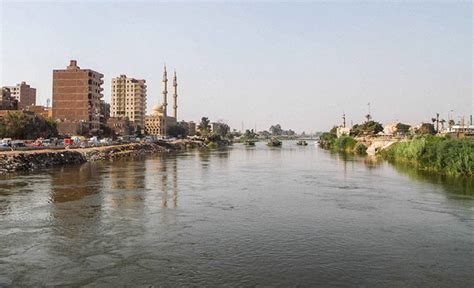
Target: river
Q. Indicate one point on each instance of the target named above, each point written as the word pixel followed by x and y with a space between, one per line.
pixel 260 216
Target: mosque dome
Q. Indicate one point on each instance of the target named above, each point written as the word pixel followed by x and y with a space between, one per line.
pixel 157 109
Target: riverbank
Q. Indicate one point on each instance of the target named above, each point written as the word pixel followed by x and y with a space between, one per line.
pixel 439 154
pixel 362 145
pixel 17 161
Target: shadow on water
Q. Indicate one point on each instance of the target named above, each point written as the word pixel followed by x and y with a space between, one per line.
pixel 452 184
pixel 72 183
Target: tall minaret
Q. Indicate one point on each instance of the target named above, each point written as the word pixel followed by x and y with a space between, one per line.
pixel 165 91
pixel 175 96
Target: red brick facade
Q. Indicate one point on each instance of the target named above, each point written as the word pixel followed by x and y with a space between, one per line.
pixel 76 96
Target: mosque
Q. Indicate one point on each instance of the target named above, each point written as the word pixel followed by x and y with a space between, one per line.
pixel 156 124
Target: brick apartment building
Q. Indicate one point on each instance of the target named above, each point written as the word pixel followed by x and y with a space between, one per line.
pixel 25 94
pixel 77 95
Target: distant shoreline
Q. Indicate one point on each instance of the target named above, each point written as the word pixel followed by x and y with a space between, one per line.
pixel 31 160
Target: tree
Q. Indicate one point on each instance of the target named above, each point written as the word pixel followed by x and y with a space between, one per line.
pixel 451 123
pixel 265 134
pixel 276 130
pixel 367 128
pixel 403 129
pixel 20 125
pixel 221 129
pixel 426 128
pixel 442 121
pixel 204 126
pixel 249 135
pixel 176 130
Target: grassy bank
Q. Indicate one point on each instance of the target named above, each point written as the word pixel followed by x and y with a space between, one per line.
pixel 342 144
pixel 445 155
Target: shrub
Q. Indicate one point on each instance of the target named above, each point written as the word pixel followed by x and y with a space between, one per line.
pixel 326 140
pixel 450 156
pixel 360 149
pixel 344 143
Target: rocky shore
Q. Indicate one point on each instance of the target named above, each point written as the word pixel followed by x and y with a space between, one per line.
pixel 17 161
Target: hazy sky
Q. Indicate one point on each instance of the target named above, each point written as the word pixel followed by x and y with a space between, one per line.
pixel 298 64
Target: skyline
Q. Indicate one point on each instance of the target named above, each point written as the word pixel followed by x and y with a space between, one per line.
pixel 299 65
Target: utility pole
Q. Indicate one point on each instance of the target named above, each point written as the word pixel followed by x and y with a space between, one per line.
pixel 368 115
pixel 437 122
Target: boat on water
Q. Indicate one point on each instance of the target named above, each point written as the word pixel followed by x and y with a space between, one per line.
pixel 249 143
pixel 274 142
pixel 302 143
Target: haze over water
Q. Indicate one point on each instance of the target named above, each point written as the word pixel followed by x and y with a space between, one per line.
pixel 240 217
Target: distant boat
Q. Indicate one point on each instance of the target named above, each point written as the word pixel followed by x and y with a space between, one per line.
pixel 274 142
pixel 249 143
pixel 302 143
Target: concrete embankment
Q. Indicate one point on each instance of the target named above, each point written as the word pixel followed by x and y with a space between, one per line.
pixel 16 161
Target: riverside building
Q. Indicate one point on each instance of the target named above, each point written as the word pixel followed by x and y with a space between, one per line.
pixel 77 95
pixel 25 94
pixel 129 99
pixel 156 124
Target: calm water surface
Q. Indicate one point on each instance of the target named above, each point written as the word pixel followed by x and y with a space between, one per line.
pixel 291 216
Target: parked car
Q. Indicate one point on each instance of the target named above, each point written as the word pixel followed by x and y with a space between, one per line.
pixel 47 142
pixel 17 144
pixel 93 141
pixel 7 141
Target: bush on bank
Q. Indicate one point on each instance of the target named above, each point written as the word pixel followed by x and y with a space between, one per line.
pixel 344 144
pixel 347 144
pixel 360 149
pixel 446 155
pixel 326 140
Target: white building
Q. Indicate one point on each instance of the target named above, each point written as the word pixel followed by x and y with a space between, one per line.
pixel 129 99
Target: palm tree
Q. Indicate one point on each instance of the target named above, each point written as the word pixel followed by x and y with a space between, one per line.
pixel 442 121
pixel 204 126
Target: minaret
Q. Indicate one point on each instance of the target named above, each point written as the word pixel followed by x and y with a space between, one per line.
pixel 175 96
pixel 165 91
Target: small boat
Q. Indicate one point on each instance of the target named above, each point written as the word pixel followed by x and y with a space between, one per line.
pixel 274 142
pixel 302 143
pixel 249 143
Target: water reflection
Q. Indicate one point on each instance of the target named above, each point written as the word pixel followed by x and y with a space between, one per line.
pixel 373 162
pixel 75 196
pixel 72 183
pixel 127 183
pixel 455 185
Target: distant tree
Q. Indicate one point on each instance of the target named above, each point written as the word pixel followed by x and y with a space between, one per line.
pixel 426 128
pixel 249 135
pixel 106 131
pixel 290 133
pixel 403 129
pixel 204 127
pixel 451 123
pixel 19 125
pixel 333 130
pixel 176 130
pixel 222 129
pixel 442 121
pixel 265 134
pixel 276 130
pixel 367 128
